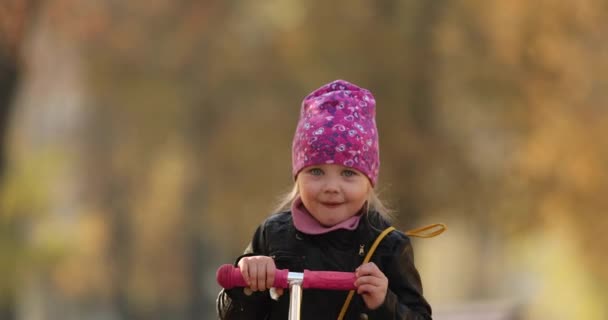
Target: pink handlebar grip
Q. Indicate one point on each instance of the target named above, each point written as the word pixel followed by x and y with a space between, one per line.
pixel 229 277
pixel 329 280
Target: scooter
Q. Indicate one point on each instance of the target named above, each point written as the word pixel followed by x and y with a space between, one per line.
pixel 230 277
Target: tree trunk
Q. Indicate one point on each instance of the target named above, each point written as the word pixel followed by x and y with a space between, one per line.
pixel 9 78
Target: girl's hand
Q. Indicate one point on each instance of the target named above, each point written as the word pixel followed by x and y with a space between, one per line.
pixel 372 284
pixel 258 272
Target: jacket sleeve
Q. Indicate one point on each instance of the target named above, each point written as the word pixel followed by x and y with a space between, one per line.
pixel 404 299
pixel 234 304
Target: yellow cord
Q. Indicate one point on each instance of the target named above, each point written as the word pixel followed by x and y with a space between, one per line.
pixel 420 233
pixel 351 293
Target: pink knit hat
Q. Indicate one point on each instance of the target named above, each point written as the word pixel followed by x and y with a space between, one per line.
pixel 337 125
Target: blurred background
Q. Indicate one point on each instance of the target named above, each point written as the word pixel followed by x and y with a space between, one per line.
pixel 142 142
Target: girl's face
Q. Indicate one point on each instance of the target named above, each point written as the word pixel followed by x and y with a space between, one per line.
pixel 332 193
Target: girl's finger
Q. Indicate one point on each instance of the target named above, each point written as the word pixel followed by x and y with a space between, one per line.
pixel 369 280
pixel 253 276
pixel 367 289
pixel 247 291
pixel 369 268
pixel 261 277
pixel 270 270
pixel 245 273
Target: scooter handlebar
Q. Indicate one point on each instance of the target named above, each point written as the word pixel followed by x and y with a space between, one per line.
pixel 229 277
pixel 329 280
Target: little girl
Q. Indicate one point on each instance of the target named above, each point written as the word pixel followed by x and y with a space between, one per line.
pixel 334 216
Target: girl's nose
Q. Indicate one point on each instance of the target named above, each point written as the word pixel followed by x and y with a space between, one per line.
pixel 331 185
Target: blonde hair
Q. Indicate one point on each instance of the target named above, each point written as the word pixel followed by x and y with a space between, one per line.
pixel 372 204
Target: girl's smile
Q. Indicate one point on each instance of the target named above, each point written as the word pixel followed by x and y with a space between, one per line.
pixel 331 205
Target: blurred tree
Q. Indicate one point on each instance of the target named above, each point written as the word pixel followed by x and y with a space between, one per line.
pixel 149 102
pixel 519 97
pixel 15 18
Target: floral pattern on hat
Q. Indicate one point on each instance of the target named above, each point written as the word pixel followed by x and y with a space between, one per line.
pixel 337 125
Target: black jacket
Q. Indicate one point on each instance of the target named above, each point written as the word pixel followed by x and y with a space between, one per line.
pixel 339 250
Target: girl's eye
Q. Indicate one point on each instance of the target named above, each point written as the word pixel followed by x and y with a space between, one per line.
pixel 315 171
pixel 348 173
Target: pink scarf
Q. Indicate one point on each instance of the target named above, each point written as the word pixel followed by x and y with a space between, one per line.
pixel 306 223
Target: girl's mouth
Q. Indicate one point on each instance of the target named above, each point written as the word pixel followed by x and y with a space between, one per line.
pixel 331 204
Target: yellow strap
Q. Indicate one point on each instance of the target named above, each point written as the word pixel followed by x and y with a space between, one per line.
pixel 351 293
pixel 420 233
